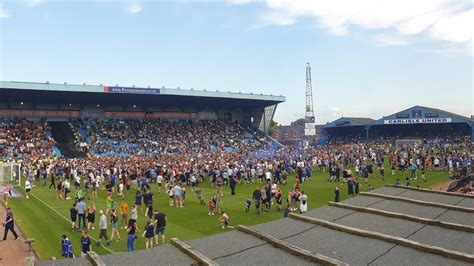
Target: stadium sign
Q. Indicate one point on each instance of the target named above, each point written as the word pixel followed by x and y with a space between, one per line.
pixel 131 90
pixel 417 121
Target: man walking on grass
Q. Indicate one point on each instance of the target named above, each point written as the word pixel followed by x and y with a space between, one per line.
pixel 103 228
pixel 81 211
pixel 9 225
pixel 160 225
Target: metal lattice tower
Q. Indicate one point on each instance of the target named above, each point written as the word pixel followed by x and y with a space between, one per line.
pixel 309 117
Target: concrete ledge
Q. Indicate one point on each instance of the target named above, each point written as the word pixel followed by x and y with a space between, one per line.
pixel 419 202
pixel 29 261
pixel 433 191
pixel 95 259
pixel 439 223
pixel 387 238
pixel 191 252
pixel 297 251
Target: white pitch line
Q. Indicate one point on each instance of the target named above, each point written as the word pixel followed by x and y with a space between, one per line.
pixel 58 213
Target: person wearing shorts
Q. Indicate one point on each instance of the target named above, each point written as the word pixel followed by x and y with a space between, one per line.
pixel 159 181
pixel 73 212
pixel 86 246
pixel 160 225
pixel 27 188
pixel 149 234
pixel 139 199
pixel 124 213
pixel 91 217
pixel 114 222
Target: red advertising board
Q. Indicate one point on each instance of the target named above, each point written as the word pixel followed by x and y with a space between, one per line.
pixel 118 115
pixel 38 113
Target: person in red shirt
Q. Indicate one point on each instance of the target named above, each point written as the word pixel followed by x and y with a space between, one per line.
pixel 212 206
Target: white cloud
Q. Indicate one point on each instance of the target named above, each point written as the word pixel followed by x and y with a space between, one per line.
pixel 448 21
pixel 278 19
pixel 457 28
pixel 134 8
pixel 34 3
pixel 3 12
pixel 390 40
pixel 335 109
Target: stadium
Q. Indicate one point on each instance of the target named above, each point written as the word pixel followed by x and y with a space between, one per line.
pixel 243 163
pixel 92 138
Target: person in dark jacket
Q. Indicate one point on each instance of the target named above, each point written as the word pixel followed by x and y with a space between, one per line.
pixel 9 225
pixel 257 196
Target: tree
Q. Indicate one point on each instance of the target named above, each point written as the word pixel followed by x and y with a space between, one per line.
pixel 300 121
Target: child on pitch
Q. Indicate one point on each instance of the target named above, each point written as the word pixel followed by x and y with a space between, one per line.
pixel 212 206
pixel 225 221
pixel 66 247
pixel 248 202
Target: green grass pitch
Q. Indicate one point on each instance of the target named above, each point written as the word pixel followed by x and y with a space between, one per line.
pixel 45 218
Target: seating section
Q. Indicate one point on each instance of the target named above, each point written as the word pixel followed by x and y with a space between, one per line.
pixel 126 138
pixel 21 139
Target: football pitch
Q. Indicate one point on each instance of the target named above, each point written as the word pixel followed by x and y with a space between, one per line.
pixel 46 218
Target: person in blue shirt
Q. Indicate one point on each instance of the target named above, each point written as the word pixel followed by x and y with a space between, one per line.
pixel 248 202
pixel 308 173
pixel 113 180
pixel 414 168
pixel 66 247
pixel 153 175
pixel 144 183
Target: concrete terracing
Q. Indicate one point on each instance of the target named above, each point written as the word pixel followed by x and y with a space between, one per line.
pixel 360 231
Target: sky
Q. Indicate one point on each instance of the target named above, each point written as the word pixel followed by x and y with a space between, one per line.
pixel 369 58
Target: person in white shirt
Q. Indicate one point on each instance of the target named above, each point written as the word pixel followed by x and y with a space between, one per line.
pixel 303 202
pixel 67 189
pixel 103 228
pixel 268 176
pixel 159 182
pixel 120 190
pixel 27 188
pixel 134 212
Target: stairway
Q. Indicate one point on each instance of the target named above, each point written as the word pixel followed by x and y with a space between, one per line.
pixel 64 137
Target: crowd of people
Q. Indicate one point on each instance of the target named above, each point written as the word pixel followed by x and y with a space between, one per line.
pixel 176 157
pixel 25 140
pixel 160 137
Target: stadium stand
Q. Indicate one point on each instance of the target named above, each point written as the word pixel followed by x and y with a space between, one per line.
pixel 426 124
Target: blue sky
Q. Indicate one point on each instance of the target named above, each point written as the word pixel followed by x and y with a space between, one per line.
pixel 367 59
